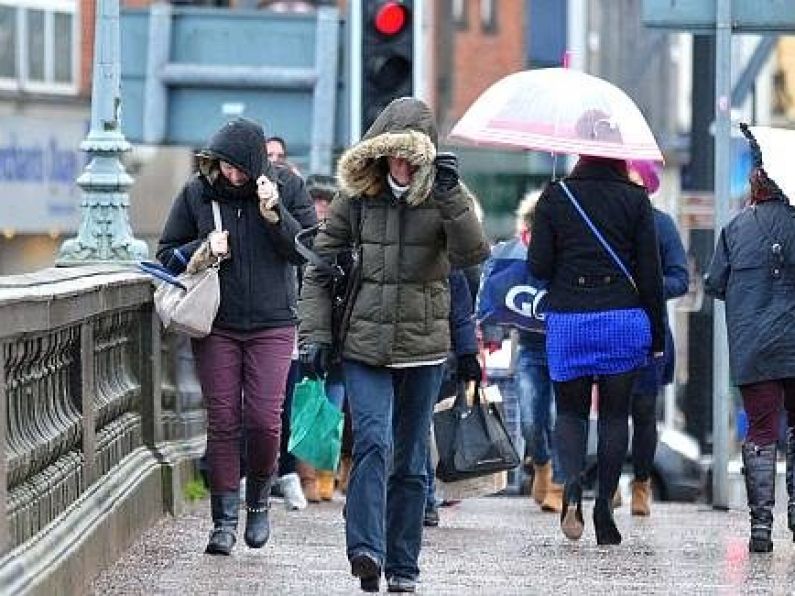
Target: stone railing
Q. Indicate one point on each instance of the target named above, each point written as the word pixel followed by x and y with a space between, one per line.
pixel 99 422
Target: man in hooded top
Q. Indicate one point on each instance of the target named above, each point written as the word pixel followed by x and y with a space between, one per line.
pixel 414 220
pixel 247 354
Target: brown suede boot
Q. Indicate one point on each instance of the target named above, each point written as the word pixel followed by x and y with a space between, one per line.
pixel 308 482
pixel 542 478
pixel 325 484
pixel 641 497
pixel 553 502
pixel 344 473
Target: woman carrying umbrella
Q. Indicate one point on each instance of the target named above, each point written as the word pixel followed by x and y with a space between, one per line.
pixel 594 240
pixel 605 315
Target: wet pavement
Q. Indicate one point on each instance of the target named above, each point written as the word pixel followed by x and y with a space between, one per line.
pixel 495 545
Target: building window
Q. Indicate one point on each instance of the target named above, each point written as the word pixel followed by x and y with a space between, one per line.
pixel 39 46
pixel 488 15
pixel 459 8
pixel 8 42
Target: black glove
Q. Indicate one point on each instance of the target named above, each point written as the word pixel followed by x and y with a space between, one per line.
pixel 446 172
pixel 469 368
pixel 314 360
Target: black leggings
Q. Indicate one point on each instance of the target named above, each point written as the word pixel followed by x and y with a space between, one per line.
pixel 573 399
pixel 644 434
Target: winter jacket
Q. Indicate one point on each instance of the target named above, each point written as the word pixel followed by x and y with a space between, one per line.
pixel 400 314
pixel 258 288
pixel 673 260
pixel 758 284
pixel 582 275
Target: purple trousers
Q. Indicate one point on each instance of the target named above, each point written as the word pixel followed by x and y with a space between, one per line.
pixel 243 376
pixel 762 403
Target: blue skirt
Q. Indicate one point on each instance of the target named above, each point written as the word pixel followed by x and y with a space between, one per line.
pixel 608 342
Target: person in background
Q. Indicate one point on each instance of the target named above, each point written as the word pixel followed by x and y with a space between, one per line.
pixel 293 476
pixel 322 190
pixel 243 363
pixel 277 153
pixel 604 316
pixel 534 386
pixel 753 271
pixel 416 220
pixel 658 373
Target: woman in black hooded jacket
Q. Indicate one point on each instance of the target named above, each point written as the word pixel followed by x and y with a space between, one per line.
pixel 248 352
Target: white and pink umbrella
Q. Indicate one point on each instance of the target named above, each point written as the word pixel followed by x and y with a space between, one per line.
pixel 559 111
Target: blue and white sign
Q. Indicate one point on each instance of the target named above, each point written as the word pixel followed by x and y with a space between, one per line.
pixel 39 162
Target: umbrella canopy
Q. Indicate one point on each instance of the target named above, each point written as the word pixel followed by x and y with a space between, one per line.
pixel 560 111
pixel 778 147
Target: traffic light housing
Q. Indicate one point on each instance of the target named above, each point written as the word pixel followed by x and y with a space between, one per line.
pixel 387 55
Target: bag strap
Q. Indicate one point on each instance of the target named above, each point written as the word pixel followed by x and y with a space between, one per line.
pixel 598 235
pixel 219 226
pixel 158 271
pixel 313 258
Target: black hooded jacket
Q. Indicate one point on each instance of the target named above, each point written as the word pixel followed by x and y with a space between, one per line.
pixel 258 287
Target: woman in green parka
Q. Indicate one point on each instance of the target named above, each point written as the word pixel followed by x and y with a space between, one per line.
pixel 415 220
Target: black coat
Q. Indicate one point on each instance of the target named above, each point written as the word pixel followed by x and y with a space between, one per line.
pixel 258 281
pixel 582 276
pixel 759 290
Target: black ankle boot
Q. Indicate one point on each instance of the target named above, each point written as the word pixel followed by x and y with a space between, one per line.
pixel 604 524
pixel 760 485
pixel 571 520
pixel 258 527
pixel 791 480
pixel 366 567
pixel 224 508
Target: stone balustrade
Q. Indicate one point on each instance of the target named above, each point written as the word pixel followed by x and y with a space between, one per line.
pixel 100 419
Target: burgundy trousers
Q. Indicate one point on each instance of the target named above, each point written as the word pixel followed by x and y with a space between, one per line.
pixel 762 403
pixel 243 376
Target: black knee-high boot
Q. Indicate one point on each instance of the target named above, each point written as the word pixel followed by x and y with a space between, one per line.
pixel 760 486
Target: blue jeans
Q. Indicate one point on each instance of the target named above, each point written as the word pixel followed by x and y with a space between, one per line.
pixel 536 403
pixel 391 414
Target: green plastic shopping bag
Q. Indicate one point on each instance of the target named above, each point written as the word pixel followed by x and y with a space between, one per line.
pixel 315 426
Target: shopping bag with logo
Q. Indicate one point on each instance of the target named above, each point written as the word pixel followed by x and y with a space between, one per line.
pixel 509 295
pixel 315 426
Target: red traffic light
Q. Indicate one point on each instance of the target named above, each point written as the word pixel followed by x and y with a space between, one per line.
pixel 391 18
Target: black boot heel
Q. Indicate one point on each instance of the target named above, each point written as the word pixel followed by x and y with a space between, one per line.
pixel 604 524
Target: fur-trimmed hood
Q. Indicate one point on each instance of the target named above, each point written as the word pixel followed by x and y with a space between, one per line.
pixel 405 128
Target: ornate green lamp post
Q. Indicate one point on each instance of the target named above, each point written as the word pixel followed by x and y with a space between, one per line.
pixel 104 235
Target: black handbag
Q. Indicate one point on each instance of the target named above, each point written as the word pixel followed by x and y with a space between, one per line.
pixel 472 440
pixel 345 274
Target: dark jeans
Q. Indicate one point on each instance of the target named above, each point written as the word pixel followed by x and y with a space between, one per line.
pixel 391 414
pixel 574 405
pixel 536 409
pixel 287 461
pixel 644 434
pixel 243 378
pixel 762 402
